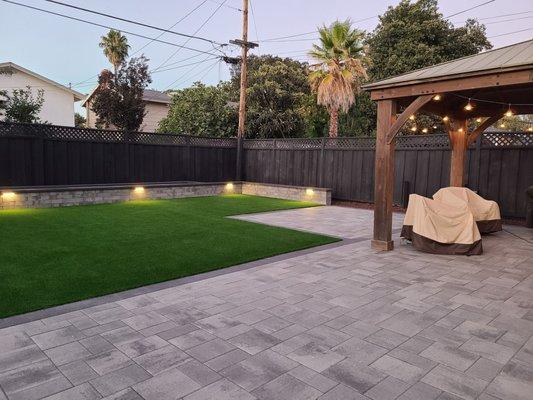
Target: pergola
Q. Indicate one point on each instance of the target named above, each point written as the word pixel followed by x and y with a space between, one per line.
pixel 488 85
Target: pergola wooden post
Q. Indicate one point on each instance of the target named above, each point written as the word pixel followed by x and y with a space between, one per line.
pixel 491 84
pixel 457 131
pixel 384 177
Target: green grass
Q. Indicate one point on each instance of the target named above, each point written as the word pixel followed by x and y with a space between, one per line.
pixel 59 255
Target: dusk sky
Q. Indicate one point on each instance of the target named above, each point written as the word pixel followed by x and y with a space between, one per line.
pixel 67 51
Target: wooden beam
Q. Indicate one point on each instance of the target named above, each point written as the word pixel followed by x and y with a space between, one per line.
pixel 452 85
pixel 384 177
pixel 457 132
pixel 481 128
pixel 411 109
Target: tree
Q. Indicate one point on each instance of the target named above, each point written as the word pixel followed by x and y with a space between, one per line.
pixel 115 47
pixel 201 110
pixel 21 106
pixel 79 120
pixel 278 97
pixel 118 100
pixel 338 77
pixel 415 35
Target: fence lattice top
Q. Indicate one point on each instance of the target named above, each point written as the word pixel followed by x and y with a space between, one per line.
pixel 100 135
pixel 411 142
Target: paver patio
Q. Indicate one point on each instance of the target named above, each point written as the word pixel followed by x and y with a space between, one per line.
pixel 341 323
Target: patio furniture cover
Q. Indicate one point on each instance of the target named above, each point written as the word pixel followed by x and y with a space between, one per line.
pixel 486 212
pixel 440 228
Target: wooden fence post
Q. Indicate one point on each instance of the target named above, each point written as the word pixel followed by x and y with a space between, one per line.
pixel 240 159
pixel 38 159
pixel 321 167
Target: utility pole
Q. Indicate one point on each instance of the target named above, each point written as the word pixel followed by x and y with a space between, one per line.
pixel 245 45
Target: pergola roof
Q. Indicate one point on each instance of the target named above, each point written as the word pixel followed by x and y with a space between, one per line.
pixel 508 58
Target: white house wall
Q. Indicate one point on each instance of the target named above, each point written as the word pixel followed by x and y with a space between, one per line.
pixel 58 106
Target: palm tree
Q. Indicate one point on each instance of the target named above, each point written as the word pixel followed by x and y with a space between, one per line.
pixel 337 77
pixel 115 47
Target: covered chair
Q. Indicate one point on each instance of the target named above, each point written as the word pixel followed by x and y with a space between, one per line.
pixel 486 212
pixel 440 228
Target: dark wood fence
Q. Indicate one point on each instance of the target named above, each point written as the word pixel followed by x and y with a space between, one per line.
pixel 499 166
pixel 35 155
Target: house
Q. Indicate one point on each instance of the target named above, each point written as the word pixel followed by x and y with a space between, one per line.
pixel 58 105
pixel 157 106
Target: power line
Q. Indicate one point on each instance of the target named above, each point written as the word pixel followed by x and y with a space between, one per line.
pixel 177 22
pixel 469 9
pixel 152 40
pixel 180 78
pixel 195 32
pixel 312 32
pixel 132 21
pixel 255 24
pixel 226 5
pixel 107 27
pixel 185 65
pixel 510 33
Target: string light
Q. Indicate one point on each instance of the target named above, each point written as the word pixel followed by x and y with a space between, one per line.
pixel 437 97
pixel 469 106
pixel 509 112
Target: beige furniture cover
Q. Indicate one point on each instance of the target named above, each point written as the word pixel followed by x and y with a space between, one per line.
pixel 440 228
pixel 486 212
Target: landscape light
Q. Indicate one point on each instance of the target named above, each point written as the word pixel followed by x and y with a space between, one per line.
pixel 469 106
pixel 8 195
pixel 309 192
pixel 138 190
pixel 229 186
pixel 509 112
pixel 437 97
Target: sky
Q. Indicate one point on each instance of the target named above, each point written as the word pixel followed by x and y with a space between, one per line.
pixel 67 51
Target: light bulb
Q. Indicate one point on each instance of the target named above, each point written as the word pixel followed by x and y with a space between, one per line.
pixel 413 129
pixel 412 117
pixel 434 126
pixel 469 106
pixel 509 112
pixel 437 97
pixel 478 120
pixel 446 118
pixel 530 129
pixel 425 130
pixel 502 125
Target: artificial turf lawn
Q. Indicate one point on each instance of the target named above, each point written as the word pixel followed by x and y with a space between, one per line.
pixel 54 256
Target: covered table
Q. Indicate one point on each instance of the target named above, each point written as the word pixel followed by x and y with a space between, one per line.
pixel 486 212
pixel 440 228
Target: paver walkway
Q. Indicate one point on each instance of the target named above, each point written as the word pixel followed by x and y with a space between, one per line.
pixel 343 323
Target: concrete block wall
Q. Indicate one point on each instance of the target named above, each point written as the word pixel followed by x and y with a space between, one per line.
pixel 61 196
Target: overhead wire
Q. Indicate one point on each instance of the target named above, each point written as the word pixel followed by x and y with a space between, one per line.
pixel 131 21
pixel 195 32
